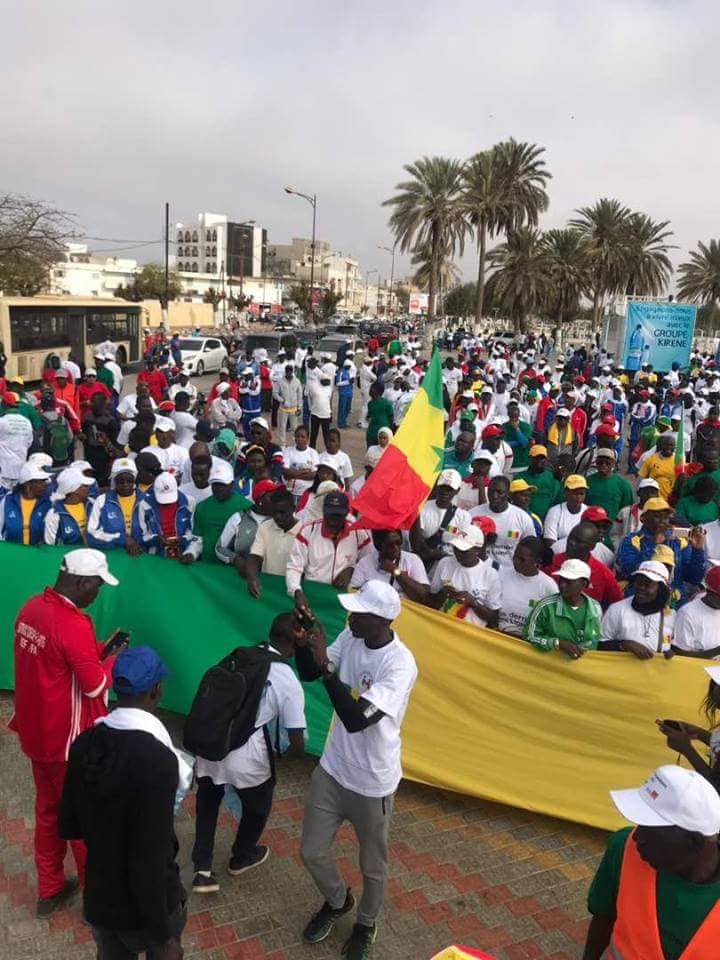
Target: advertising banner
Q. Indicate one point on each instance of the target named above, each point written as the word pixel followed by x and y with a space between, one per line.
pixel 490 716
pixel 658 333
pixel 418 303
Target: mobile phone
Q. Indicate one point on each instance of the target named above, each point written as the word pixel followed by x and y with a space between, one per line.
pixel 119 639
pixel 305 620
pixel 672 724
pixel 681 532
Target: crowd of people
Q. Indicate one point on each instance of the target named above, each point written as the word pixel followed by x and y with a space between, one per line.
pixel 577 508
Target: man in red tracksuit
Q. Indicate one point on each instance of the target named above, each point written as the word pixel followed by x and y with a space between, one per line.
pixel 61 684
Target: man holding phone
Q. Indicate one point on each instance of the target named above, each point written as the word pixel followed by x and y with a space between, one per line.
pixel 62 676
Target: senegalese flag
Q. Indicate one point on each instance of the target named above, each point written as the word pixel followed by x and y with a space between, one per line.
pixel 680 449
pixel 399 485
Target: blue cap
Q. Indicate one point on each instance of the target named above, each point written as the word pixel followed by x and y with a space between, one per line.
pixel 138 670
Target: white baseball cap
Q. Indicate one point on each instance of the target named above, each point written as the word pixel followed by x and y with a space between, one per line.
pixel 672 797
pixel 222 387
pixel 648 483
pixel 123 465
pixel 376 597
pixel 562 412
pixel 40 459
pixel 70 480
pixel 467 539
pixel 165 488
pixel 574 570
pixel 654 570
pixel 90 372
pixel 88 563
pixel 449 478
pixel 164 423
pixel 262 421
pixel 32 471
pixel 221 472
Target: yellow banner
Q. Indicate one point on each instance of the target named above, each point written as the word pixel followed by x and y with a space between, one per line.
pixel 493 717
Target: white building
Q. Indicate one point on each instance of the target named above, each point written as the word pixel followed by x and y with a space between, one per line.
pixel 331 269
pixel 216 245
pixel 82 274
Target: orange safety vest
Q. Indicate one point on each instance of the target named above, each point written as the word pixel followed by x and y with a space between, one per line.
pixel 636 935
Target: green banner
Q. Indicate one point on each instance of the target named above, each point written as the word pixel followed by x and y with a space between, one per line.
pixel 191 615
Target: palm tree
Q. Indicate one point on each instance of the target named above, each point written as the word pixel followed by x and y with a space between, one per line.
pixel 700 276
pixel 504 187
pixel 521 280
pixel 604 229
pixel 427 213
pixel 569 273
pixel 447 273
pixel 646 261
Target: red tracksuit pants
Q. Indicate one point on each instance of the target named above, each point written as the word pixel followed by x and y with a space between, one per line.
pixel 50 849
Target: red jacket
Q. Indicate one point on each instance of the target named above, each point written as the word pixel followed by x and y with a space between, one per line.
pixel 157 384
pixel 579 422
pixel 85 394
pixel 60 682
pixel 603 585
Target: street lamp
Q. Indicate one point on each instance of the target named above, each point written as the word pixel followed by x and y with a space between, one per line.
pixel 392 273
pixel 367 280
pixel 312 200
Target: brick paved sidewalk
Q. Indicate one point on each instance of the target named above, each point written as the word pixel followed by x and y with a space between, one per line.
pixel 462 870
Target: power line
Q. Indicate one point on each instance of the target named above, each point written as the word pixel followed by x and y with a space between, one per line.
pixel 117 240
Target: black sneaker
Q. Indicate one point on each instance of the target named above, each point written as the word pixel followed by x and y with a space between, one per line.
pixel 359 943
pixel 238 866
pixel 48 905
pixel 205 883
pixel 323 921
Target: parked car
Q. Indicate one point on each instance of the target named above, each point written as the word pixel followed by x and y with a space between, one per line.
pixel 332 343
pixel 202 355
pixel 351 329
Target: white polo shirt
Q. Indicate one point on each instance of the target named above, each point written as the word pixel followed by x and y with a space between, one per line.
pixel 368 763
pixel 273 546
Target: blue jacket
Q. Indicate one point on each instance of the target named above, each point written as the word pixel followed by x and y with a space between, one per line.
pixel 344 382
pixel 11 518
pixel 106 525
pixel 637 547
pixel 147 527
pixel 61 527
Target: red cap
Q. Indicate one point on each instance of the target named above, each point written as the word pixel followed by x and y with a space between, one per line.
pixel 11 399
pixel 607 406
pixel 492 430
pixel 605 430
pixel 712 580
pixel 595 515
pixel 540 378
pixel 263 487
pixel 608 418
pixel 580 379
pixel 167 406
pixel 486 524
pixel 644 394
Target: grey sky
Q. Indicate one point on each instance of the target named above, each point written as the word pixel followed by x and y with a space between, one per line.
pixel 109 110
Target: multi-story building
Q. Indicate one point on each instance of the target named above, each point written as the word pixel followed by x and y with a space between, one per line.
pixel 331 270
pixel 217 246
pixel 82 274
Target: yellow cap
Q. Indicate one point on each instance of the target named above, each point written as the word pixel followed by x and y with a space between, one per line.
pixel 521 486
pixel 656 503
pixel 576 482
pixel 664 554
pixel 538 450
pixel 19 380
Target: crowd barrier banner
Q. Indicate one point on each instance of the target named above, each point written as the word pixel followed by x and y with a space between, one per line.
pixel 489 716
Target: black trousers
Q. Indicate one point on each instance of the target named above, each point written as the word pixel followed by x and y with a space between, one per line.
pixel 256 805
pixel 317 423
pixel 129 944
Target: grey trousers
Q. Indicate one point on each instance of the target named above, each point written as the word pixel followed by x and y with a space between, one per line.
pixel 327 806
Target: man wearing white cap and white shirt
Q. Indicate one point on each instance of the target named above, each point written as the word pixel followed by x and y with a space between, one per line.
pixel 643 623
pixel 171 456
pixel 61 680
pixel 466 585
pixel 224 410
pixel 439 520
pixel 656 893
pixel 368 673
pixel 697 623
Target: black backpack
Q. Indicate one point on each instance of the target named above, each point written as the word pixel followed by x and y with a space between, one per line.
pixel 224 712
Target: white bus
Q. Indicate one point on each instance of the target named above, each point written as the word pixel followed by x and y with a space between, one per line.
pixel 34 329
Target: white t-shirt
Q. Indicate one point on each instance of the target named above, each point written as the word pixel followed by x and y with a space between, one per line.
pixel 481 581
pixel 621 622
pixel 512 525
pixel 519 596
pixel 283 700
pixel 173 459
pixel 367 569
pixel 712 540
pixel 431 516
pixel 319 399
pixel 127 408
pixel 697 626
pixel 340 462
pixel 294 459
pixel 185 424
pixel 197 493
pixel 559 521
pixel 368 763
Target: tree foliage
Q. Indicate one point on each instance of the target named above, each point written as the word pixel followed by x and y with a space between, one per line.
pixel 33 236
pixel 521 278
pixel 460 301
pixel 328 303
pixel 212 296
pixel 149 284
pixel 699 277
pixel 299 293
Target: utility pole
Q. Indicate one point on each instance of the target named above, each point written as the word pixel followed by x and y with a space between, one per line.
pixel 312 200
pixel 167 265
pixel 392 275
pixel 224 299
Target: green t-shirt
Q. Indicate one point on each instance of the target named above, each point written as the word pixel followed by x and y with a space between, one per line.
pixel 210 518
pixel 105 376
pixel 689 509
pixel 521 451
pixel 549 491
pixel 612 493
pixel 380 414
pixel 451 462
pixel 689 482
pixel 681 906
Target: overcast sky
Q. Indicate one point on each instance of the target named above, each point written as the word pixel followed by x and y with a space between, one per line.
pixel 111 109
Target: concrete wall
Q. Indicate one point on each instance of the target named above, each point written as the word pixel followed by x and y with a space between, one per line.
pixel 181 315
